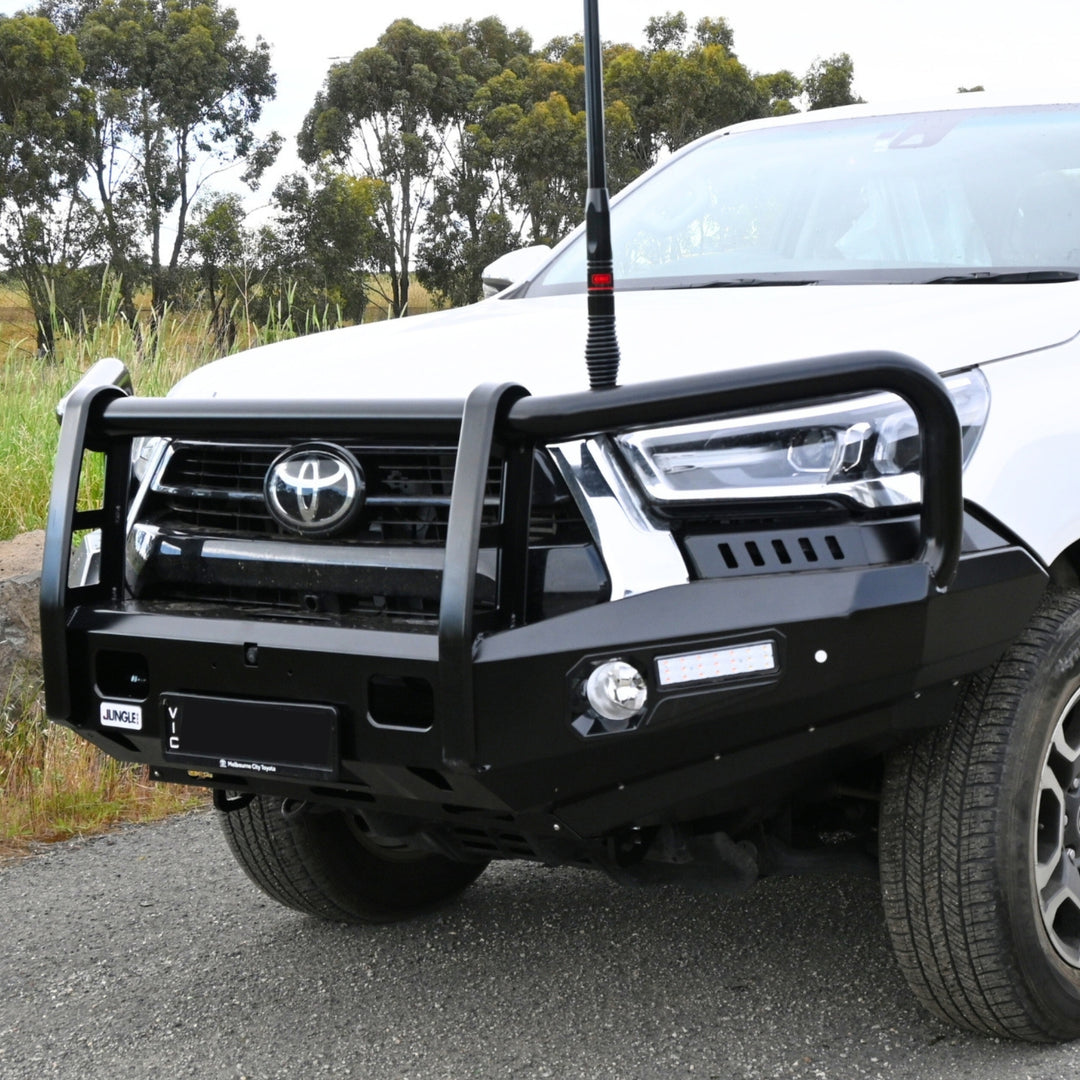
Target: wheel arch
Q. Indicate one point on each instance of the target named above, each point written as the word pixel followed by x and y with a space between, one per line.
pixel 1065 569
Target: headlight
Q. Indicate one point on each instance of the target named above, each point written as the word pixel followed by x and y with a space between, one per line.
pixel 144 454
pixel 866 450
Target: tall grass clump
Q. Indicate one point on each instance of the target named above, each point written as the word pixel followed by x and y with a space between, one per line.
pixel 31 385
pixel 54 785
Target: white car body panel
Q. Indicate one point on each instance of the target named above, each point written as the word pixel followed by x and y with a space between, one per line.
pixel 541 342
pixel 1024 470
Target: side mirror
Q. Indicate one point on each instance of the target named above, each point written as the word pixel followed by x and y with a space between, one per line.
pixel 512 268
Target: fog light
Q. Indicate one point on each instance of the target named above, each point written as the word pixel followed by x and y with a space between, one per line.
pixel 616 691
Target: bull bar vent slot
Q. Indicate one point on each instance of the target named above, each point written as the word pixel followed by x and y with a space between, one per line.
pixel 122 675
pixel 401 702
pixel 793 550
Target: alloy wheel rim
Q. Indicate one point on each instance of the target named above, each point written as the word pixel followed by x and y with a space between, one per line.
pixel 1056 846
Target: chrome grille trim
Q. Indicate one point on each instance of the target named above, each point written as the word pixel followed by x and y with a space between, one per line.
pixel 218 487
pixel 639 557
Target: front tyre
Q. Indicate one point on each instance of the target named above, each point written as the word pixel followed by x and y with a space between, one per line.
pixel 980 837
pixel 321 862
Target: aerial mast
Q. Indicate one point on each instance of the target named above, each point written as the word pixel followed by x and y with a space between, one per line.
pixel 601 346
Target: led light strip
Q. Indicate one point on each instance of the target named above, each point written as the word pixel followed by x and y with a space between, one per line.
pixel 716 664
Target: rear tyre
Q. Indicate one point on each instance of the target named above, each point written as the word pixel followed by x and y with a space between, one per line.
pixel 322 863
pixel 980 837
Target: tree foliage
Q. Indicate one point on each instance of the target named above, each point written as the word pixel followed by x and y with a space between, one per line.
pixel 469 220
pixel 222 249
pixel 45 231
pixel 385 112
pixel 176 94
pixel 327 239
pixel 524 138
pixel 828 83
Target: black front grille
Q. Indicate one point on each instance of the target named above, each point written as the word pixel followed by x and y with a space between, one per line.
pixel 205 536
pixel 219 487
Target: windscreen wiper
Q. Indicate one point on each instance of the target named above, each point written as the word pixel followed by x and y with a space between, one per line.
pixel 746 283
pixel 1006 277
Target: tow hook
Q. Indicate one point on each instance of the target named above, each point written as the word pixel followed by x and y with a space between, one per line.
pixel 291 809
pixel 228 802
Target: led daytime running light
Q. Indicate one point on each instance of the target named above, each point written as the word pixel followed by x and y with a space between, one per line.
pixel 866 450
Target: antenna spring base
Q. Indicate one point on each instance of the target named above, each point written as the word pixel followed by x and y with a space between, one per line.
pixel 602 352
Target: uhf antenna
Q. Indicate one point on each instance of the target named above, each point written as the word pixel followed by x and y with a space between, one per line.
pixel 601 346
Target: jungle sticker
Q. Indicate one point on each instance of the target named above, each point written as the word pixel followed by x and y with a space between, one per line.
pixel 126 716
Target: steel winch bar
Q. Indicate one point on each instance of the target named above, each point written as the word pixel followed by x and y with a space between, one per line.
pixel 98 414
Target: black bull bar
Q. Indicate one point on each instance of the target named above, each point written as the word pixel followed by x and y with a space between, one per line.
pixel 100 415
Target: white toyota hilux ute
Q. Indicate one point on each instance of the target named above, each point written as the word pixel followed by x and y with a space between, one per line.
pixel 801 592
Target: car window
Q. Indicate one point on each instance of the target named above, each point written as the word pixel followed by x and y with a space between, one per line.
pixel 896 198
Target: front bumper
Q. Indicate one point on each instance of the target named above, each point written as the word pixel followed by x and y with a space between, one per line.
pixel 489 741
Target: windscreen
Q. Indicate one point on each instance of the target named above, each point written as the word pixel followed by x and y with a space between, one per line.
pixel 904 198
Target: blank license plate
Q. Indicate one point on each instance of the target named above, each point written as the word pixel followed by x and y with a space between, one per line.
pixel 267 738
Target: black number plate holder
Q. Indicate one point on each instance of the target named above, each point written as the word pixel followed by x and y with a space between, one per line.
pixel 263 738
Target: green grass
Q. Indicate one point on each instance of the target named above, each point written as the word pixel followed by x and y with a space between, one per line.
pixel 30 387
pixel 56 786
pixel 29 391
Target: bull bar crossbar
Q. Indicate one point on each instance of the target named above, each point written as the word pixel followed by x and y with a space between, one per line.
pixel 100 415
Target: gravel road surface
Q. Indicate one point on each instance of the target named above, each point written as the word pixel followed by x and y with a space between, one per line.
pixel 148 954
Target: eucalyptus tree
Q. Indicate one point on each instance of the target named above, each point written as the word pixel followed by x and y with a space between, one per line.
pixel 44 129
pixel 222 249
pixel 324 243
pixel 541 145
pixel 683 85
pixel 534 124
pixel 385 113
pixel 176 96
pixel 829 83
pixel 470 221
pixel 480 138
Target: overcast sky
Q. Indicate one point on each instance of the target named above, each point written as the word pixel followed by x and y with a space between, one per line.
pixel 901 48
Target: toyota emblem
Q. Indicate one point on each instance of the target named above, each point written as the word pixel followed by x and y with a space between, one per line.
pixel 316 489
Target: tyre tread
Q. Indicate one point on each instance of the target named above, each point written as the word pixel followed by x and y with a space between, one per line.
pixel 263 844
pixel 315 862
pixel 941 821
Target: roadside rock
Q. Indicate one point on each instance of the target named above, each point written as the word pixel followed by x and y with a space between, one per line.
pixel 20 633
